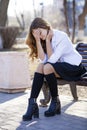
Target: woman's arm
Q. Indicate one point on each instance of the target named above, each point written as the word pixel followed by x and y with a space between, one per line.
pixel 40 50
pixel 61 48
pixel 41 53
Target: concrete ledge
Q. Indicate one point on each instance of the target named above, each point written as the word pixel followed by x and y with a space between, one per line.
pixel 14 71
pixel 16 90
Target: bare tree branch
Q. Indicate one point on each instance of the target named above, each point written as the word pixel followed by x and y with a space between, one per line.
pixel 21 21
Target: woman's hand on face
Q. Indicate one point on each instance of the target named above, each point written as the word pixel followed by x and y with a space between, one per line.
pixel 49 35
pixel 36 34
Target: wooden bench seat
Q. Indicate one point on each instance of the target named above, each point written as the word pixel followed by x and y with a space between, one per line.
pixel 82 49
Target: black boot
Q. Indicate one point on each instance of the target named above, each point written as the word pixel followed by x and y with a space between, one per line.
pixel 54 108
pixel 32 110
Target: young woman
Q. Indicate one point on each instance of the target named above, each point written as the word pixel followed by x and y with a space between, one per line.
pixel 58 58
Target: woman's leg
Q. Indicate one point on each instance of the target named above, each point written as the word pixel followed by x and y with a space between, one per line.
pixel 48 68
pixel 37 81
pixel 45 87
pixel 55 106
pixel 32 109
pixel 50 76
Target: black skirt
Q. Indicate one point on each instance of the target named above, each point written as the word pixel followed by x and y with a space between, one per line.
pixel 67 71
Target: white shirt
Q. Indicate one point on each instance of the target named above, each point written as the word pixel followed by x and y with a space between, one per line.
pixel 63 50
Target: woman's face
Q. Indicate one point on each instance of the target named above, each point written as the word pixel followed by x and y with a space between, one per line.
pixel 42 33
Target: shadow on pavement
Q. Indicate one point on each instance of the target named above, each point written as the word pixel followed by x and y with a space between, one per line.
pixel 4 97
pixel 63 121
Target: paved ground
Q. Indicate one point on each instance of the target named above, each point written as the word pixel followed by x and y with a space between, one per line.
pixel 13 106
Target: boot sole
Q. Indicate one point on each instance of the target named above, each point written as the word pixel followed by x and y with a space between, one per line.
pixel 35 115
pixel 52 114
pixel 27 119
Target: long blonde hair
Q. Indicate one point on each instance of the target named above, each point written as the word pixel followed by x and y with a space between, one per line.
pixel 30 41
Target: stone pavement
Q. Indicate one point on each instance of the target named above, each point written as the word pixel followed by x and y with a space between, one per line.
pixel 13 106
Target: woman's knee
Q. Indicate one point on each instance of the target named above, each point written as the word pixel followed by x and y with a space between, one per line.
pixel 40 68
pixel 48 69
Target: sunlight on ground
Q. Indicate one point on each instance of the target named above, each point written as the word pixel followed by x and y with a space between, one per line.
pixel 32 123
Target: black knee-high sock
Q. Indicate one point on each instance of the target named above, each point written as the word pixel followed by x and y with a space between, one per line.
pixel 52 82
pixel 37 84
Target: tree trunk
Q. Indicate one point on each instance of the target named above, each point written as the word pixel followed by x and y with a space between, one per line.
pixel 74 21
pixel 3 11
pixel 66 17
pixel 82 16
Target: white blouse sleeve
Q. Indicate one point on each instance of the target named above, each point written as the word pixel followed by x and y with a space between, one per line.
pixel 58 52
